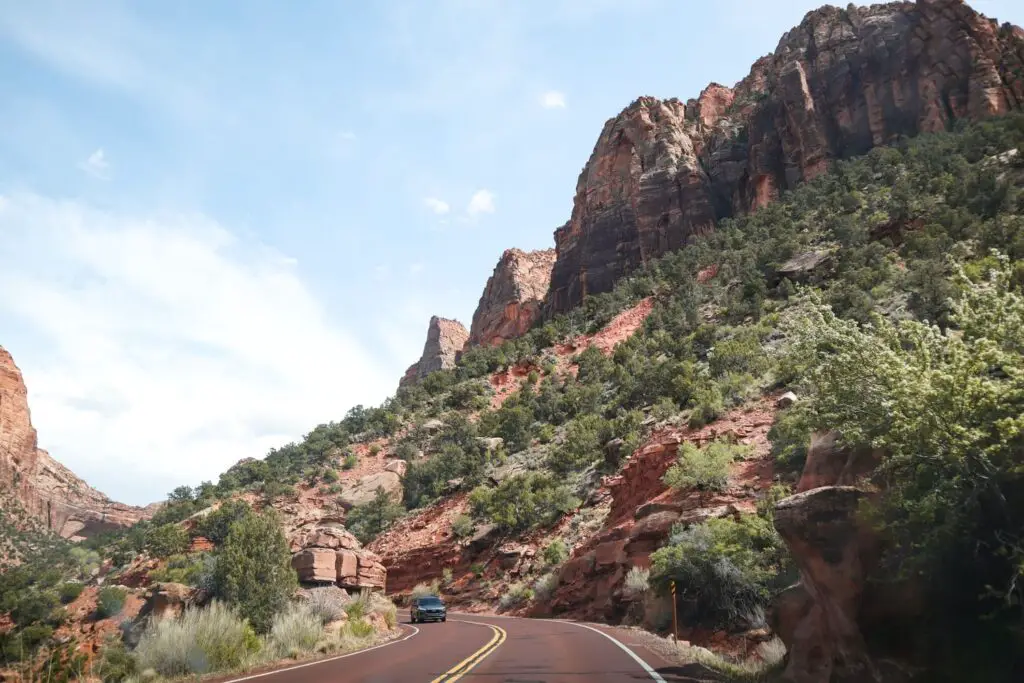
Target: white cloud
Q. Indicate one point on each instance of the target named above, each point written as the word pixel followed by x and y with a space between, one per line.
pixel 162 349
pixel 97 165
pixel 553 99
pixel 438 206
pixel 482 201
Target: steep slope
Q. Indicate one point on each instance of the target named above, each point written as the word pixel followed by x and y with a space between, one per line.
pixel 513 297
pixel 39 484
pixel 840 83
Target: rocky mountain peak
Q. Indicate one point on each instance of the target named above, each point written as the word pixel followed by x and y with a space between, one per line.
pixel 445 341
pixel 513 297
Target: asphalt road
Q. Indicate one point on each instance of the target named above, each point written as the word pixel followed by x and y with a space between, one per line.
pixel 479 649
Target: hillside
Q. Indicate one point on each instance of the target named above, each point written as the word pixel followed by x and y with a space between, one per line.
pixel 778 362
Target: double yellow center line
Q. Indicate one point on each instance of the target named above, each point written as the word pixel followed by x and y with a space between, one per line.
pixel 463 667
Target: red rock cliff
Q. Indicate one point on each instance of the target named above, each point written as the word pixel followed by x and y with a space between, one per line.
pixel 840 83
pixel 445 341
pixel 41 485
pixel 513 297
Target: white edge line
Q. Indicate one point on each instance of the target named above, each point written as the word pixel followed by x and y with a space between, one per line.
pixel 647 667
pixel 328 659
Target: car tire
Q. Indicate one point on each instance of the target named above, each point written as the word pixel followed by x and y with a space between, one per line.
pixel 444 618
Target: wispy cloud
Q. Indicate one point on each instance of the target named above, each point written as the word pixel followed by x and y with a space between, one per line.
pixel 553 99
pixel 481 202
pixel 167 338
pixel 97 165
pixel 438 206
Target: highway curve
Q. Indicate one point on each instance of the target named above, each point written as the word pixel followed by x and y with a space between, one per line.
pixel 478 649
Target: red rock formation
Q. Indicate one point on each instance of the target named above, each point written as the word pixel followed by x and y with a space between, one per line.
pixel 333 555
pixel 42 486
pixel 840 83
pixel 513 297
pixel 445 341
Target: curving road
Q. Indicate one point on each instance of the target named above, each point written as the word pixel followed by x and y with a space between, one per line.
pixel 478 649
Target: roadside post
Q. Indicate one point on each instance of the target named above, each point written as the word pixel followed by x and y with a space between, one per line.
pixel 675 624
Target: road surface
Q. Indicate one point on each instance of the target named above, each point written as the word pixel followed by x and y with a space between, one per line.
pixel 479 649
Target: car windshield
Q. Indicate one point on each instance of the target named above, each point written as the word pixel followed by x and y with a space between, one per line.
pixel 430 602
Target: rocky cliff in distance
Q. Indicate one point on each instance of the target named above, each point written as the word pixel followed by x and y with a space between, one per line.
pixel 42 486
pixel 513 298
pixel 445 341
pixel 840 83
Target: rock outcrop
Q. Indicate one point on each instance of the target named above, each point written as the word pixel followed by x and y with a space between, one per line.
pixel 840 83
pixel 513 298
pixel 445 341
pixel 331 555
pixel 42 486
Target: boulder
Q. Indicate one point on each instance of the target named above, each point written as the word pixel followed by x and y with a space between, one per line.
pixel 483 537
pixel 364 489
pixel 786 400
pixel 347 568
pixel 399 467
pixel 315 565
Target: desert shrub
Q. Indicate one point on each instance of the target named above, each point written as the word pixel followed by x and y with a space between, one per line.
pixel 517 594
pixel 725 570
pixel 361 628
pixel 350 461
pixel 477 569
pixel 705 468
pixel 556 552
pixel 707 404
pixel 330 476
pixel 368 521
pixel 544 587
pixel 201 641
pixel 637 582
pixel 110 601
pixel 462 526
pixel 254 572
pixel 327 603
pixel 114 663
pixel 295 629
pixel 790 437
pixel 380 604
pixel 424 589
pixel 523 501
pixel 70 590
pixel 166 540
pixel 374 450
pixel 446 575
pixel 215 525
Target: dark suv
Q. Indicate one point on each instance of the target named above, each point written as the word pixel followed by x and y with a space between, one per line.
pixel 428 608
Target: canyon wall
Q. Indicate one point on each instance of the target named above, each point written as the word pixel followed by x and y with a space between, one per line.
pixel 513 298
pixel 445 341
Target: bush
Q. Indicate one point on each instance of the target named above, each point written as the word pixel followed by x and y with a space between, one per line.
pixel 523 501
pixel 637 583
pixel 350 461
pixel 544 587
pixel 69 591
pixel 517 594
pixel 462 526
pixel 424 589
pixel 368 521
pixel 703 468
pixel 201 641
pixel 114 664
pixel 725 571
pixel 327 603
pixel 556 552
pixel 216 524
pixel 110 601
pixel 166 540
pixel 296 629
pixel 254 571
pixel 330 476
pixel 361 628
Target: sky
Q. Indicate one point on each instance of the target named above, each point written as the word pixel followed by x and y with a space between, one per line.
pixel 222 224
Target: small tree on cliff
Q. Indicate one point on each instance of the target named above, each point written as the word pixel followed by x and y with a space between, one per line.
pixel 370 520
pixel 254 571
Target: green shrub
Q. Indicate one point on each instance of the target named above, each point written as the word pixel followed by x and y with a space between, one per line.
pixel 446 575
pixel 423 589
pixel 350 461
pixel 556 552
pixel 114 664
pixel 523 501
pixel 374 450
pixel 330 476
pixel 69 591
pixel 637 582
pixel 201 641
pixel 517 594
pixel 110 601
pixel 254 572
pixel 368 521
pixel 462 526
pixel 544 587
pixel 166 540
pixel 361 628
pixel 296 629
pixel 477 569
pixel 790 437
pixel 327 603
pixel 703 468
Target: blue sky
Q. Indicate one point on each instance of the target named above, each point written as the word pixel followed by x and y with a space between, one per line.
pixel 223 223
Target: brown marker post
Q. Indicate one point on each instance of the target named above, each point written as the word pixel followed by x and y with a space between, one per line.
pixel 675 624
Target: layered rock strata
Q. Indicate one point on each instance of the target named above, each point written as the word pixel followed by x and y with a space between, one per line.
pixel 840 83
pixel 513 298
pixel 445 341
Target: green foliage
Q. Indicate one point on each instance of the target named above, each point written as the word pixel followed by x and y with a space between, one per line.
pixel 368 521
pixel 556 552
pixel 70 590
pixel 725 570
pixel 215 525
pixel 705 468
pixel 114 664
pixel 523 501
pixel 295 630
pixel 790 437
pixel 462 526
pixel 254 572
pixel 166 540
pixel 110 601
pixel 459 457
pixel 361 628
pixel 421 590
pixel 350 461
pixel 191 570
pixel 516 594
pixel 330 476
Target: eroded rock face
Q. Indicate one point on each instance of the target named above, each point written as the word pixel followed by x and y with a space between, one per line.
pixel 42 486
pixel 840 83
pixel 364 490
pixel 331 555
pixel 513 298
pixel 445 341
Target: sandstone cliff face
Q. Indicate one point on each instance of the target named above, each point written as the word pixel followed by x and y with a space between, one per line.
pixel 42 486
pixel 513 297
pixel 842 82
pixel 445 341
